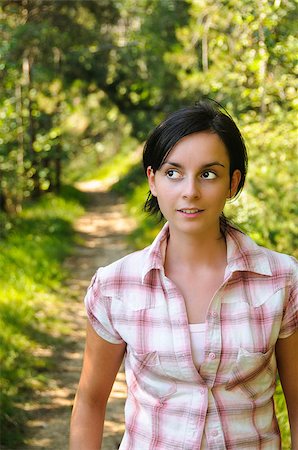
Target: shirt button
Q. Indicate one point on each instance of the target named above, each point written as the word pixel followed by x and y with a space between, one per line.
pixel 214 314
pixel 214 433
pixel 212 355
pixel 202 392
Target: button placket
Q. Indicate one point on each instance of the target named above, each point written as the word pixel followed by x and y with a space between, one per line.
pixel 213 431
pixel 198 406
pixel 213 341
pixel 180 331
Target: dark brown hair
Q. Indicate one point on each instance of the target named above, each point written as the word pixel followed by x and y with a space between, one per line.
pixel 204 116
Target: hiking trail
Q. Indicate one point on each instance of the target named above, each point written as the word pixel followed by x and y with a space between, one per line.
pixel 102 231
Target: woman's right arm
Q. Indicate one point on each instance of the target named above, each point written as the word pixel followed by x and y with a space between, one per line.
pixel 101 363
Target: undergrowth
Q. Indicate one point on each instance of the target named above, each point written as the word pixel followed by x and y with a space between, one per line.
pixel 33 246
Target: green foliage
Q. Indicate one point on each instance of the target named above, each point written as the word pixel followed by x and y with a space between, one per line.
pixel 31 252
pixel 267 209
pixel 140 81
pixel 79 78
pixel 134 188
pixel 240 53
pixel 108 169
pixel 82 83
pixel 42 54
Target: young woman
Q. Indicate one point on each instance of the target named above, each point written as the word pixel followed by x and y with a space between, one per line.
pixel 204 316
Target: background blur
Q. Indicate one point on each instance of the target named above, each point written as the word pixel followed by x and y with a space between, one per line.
pixel 81 85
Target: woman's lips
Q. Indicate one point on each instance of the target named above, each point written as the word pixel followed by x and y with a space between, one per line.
pixel 190 212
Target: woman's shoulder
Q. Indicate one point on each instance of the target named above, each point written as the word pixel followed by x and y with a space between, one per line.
pixel 122 273
pixel 130 263
pixel 135 265
pixel 279 263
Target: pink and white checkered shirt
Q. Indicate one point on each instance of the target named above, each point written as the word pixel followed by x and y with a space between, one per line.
pixel 228 404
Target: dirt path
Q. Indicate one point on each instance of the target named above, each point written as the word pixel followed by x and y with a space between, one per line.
pixel 102 229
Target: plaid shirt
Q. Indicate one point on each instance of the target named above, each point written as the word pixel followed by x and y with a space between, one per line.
pixel 228 404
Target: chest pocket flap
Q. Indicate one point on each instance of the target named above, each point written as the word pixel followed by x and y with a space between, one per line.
pixel 254 373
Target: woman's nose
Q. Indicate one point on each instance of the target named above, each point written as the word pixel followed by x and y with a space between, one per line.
pixel 191 189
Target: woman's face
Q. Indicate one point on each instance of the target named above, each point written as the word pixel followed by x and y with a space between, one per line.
pixel 193 184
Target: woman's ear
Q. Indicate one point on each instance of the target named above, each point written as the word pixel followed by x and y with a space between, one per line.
pixel 234 183
pixel 151 180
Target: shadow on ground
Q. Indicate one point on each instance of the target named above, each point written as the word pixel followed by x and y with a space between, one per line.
pixel 102 233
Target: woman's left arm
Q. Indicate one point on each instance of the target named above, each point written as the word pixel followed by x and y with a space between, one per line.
pixel 287 363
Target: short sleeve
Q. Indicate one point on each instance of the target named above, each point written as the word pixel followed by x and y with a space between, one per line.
pixel 290 318
pixel 99 311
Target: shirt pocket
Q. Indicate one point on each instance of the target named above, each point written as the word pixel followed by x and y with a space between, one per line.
pixel 150 379
pixel 254 373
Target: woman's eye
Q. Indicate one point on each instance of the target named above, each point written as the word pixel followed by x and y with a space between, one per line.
pixel 173 174
pixel 207 175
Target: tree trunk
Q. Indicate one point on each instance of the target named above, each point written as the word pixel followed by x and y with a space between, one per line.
pixel 58 149
pixel 20 154
pixel 263 63
pixel 3 202
pixel 58 169
pixel 206 26
pixel 27 73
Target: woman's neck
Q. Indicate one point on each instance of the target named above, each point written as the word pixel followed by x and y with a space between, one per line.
pixel 194 251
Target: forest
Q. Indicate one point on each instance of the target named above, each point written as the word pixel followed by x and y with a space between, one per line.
pixel 82 83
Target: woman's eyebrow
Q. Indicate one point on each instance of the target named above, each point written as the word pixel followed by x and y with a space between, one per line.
pixel 213 163
pixel 170 163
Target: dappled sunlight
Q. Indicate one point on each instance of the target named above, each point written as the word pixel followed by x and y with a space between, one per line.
pixel 102 230
pixel 93 185
pixel 119 388
pixel 42 352
pixel 40 443
pixel 114 423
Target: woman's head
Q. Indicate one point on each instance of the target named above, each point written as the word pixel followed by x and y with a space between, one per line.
pixel 203 117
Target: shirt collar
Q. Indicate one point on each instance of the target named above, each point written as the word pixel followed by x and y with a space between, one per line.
pixel 243 254
pixel 155 257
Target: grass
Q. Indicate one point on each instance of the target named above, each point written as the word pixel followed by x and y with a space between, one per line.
pixel 33 246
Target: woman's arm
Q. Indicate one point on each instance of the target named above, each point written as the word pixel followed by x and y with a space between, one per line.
pixel 101 363
pixel 287 363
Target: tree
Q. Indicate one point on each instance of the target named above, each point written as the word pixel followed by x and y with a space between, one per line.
pixel 36 39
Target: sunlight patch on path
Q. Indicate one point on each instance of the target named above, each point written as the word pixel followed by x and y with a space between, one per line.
pixel 102 235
